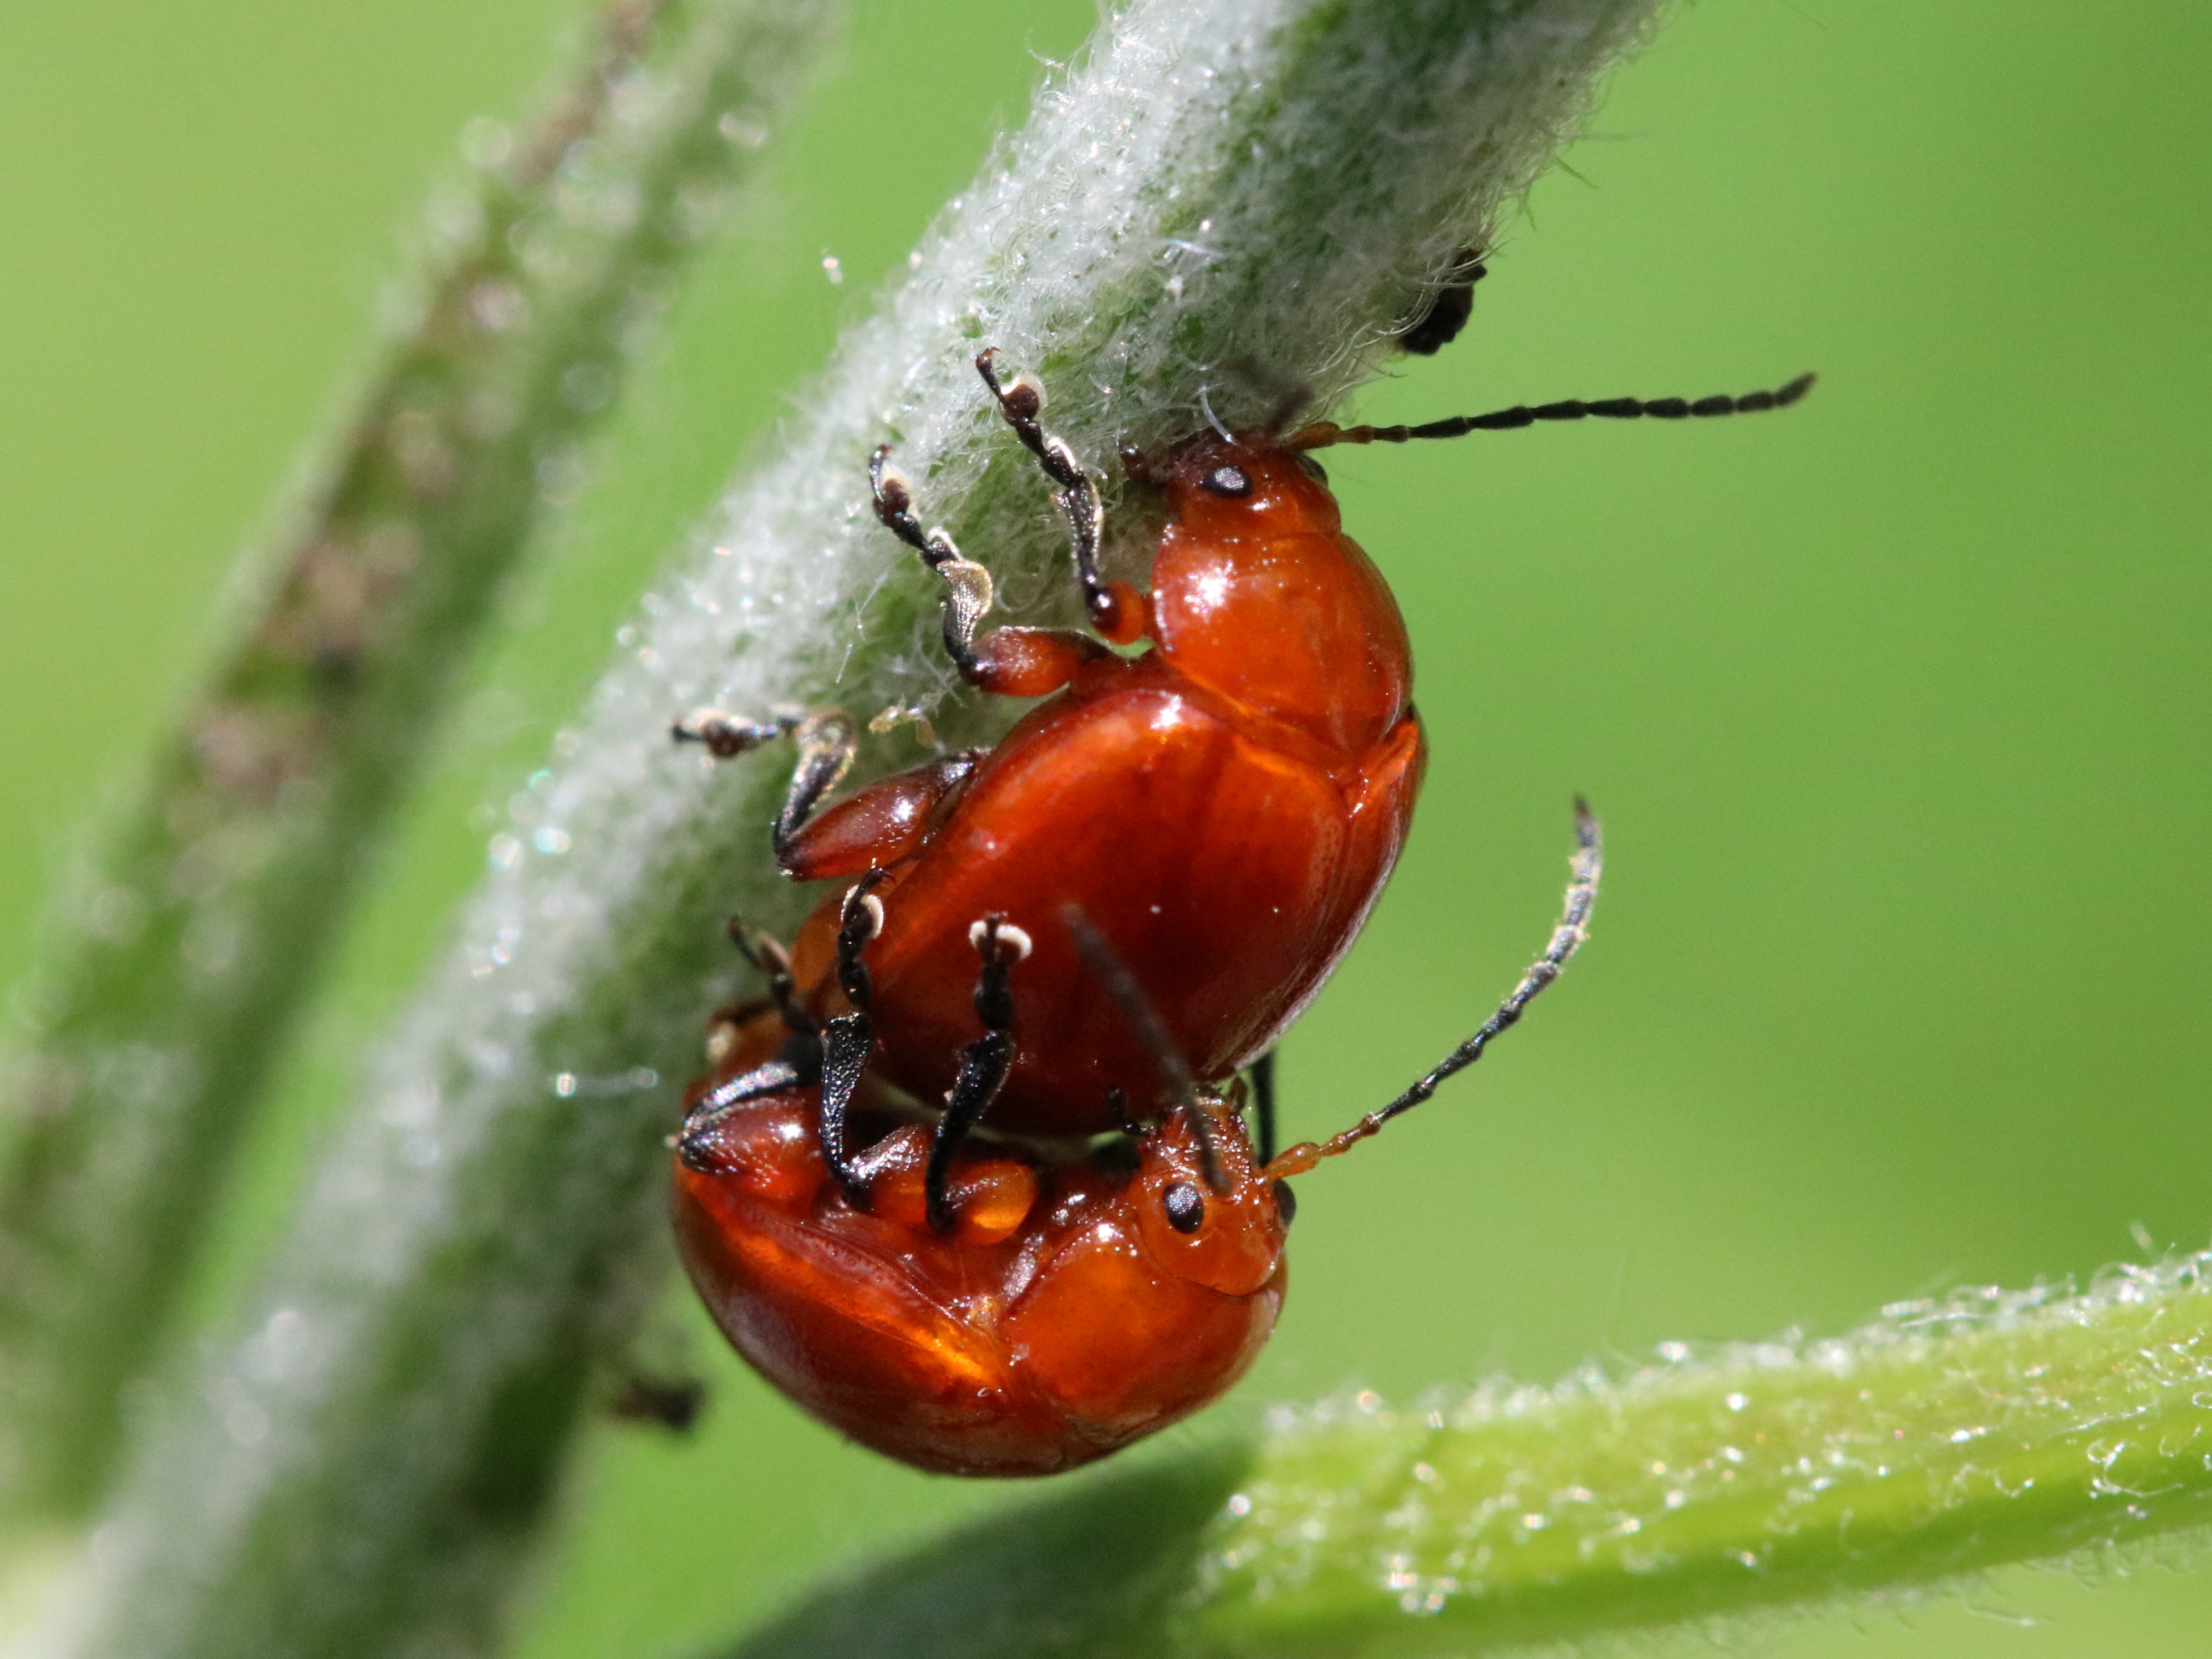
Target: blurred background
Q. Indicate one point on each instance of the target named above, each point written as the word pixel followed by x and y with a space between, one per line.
pixel 1896 705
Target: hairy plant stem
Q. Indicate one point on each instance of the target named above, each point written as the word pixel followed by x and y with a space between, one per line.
pixel 1232 194
pixel 1945 1438
pixel 181 949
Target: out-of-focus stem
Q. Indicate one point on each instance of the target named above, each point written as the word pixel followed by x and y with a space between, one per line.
pixel 182 947
pixel 1987 1428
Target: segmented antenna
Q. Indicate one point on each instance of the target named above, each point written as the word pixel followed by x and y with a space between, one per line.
pixel 1585 864
pixel 1321 434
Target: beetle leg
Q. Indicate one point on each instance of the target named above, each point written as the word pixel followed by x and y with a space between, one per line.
pixel 850 1040
pixel 802 1041
pixel 772 1078
pixel 826 742
pixel 1114 608
pixel 1031 662
pixel 670 1403
pixel 1021 400
pixel 967 584
pixel 1263 1103
pixel 879 824
pixel 984 1063
pixel 1015 662
pixel 1449 308
pixel 773 963
pixel 798 1063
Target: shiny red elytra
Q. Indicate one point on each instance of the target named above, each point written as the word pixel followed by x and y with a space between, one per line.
pixel 1135 890
pixel 1081 1299
pixel 1081 1295
pixel 1226 807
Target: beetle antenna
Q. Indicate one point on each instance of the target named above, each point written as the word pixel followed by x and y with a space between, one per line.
pixel 1324 434
pixel 1586 863
pixel 1106 964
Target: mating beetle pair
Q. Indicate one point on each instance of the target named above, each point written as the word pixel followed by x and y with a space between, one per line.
pixel 1067 938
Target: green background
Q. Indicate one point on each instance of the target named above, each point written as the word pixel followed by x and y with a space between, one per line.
pixel 1895 706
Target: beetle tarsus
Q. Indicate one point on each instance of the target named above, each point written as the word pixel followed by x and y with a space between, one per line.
pixel 848 1041
pixel 984 1063
pixel 967 584
pixel 826 744
pixel 1020 401
pixel 827 741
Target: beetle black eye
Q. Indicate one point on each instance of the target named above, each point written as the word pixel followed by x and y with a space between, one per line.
pixel 1286 1202
pixel 1185 1207
pixel 1229 481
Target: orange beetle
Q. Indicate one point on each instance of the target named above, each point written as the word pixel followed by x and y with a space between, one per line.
pixel 1257 768
pixel 1076 1305
pixel 1083 1297
pixel 1137 889
pixel 1224 808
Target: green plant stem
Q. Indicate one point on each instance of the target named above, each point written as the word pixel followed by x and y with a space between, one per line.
pixel 180 951
pixel 1944 1439
pixel 360 1474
